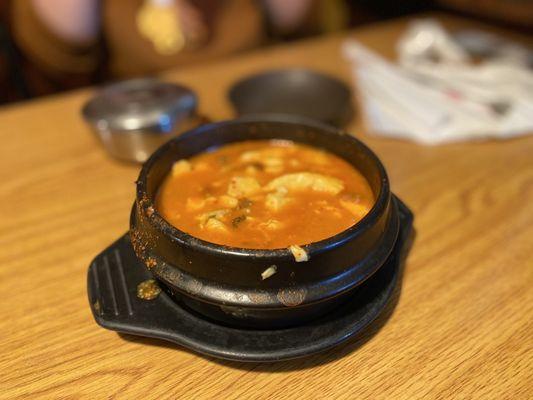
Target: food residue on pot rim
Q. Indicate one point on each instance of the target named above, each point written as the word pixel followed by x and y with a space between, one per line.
pixel 150 211
pixel 148 290
pixel 291 297
pixel 300 255
pixel 267 273
pixel 150 262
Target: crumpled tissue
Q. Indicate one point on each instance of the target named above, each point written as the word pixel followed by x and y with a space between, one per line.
pixel 436 93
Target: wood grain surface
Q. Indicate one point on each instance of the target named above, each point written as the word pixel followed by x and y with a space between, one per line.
pixel 462 329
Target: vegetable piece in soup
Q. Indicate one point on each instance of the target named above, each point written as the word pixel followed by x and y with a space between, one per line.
pixel 264 195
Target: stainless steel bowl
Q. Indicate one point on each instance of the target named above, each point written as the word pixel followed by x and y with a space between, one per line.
pixel 133 118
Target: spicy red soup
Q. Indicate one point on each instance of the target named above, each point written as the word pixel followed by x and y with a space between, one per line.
pixel 264 195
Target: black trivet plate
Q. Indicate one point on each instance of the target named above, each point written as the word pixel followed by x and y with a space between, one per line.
pixel 115 273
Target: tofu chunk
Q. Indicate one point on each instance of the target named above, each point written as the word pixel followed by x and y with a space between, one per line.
pixel 261 155
pixel 271 225
pixel 215 225
pixel 181 167
pixel 358 210
pixel 270 159
pixel 243 186
pixel 204 218
pixel 195 204
pixel 307 181
pixel 275 201
pixel 228 201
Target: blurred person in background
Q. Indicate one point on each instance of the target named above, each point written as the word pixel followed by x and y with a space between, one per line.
pixel 64 44
pixel 48 46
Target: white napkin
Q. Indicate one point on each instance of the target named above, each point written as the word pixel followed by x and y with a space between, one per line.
pixel 451 99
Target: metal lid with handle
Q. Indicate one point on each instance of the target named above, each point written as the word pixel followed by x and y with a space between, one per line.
pixel 133 118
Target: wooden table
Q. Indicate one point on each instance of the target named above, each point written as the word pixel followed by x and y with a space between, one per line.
pixel 463 327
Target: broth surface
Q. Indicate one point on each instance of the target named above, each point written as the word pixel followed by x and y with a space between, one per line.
pixel 264 195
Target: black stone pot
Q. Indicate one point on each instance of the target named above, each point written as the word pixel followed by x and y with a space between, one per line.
pixel 224 283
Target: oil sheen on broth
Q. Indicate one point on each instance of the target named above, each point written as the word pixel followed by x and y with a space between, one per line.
pixel 264 195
